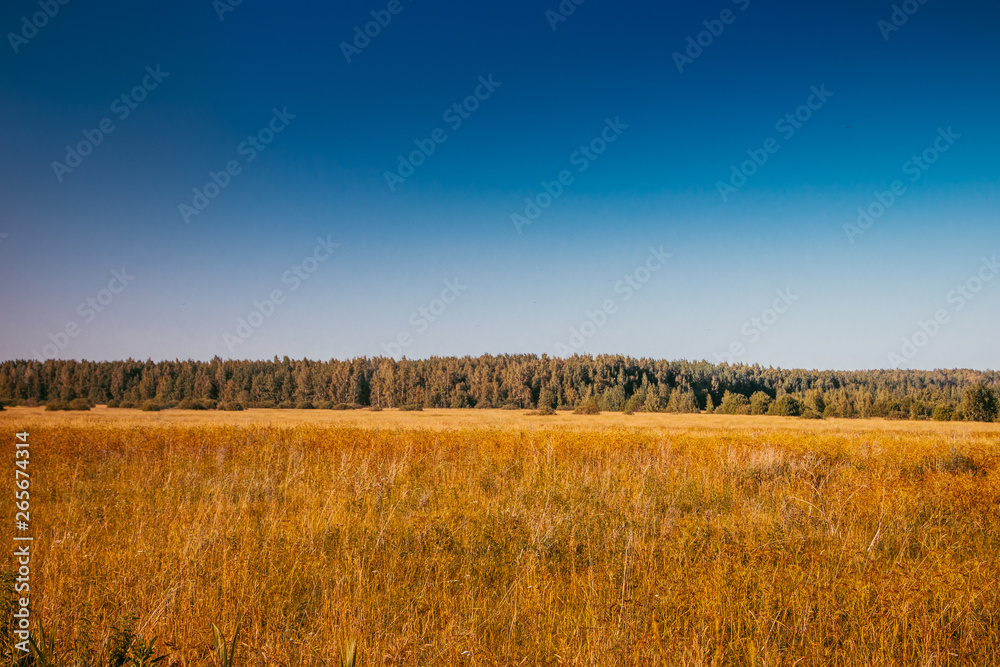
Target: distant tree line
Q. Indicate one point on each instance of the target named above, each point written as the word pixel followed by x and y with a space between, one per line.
pixel 607 382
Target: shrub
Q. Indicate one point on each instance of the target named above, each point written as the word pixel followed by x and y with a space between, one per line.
pixel 942 413
pixel 980 403
pixel 324 405
pixel 809 413
pixel 375 408
pixel 786 406
pixel 232 406
pixel 543 411
pixel 759 403
pixel 411 407
pixel 151 406
pixel 632 404
pixel 79 404
pixel 305 405
pixel 196 404
pixel 126 404
pixel 54 406
pixel 113 403
pixel 734 404
pixel 682 400
pixel 588 407
pixel 546 398
pixel 339 406
pixel 286 405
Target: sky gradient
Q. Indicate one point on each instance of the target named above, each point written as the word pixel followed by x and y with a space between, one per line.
pixel 243 186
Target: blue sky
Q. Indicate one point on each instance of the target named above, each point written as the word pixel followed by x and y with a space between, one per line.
pixel 442 238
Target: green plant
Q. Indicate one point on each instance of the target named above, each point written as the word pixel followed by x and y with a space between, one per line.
pixel 410 407
pixel 43 648
pixel 349 654
pixel 225 655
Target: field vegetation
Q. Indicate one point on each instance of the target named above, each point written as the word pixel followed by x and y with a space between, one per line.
pixel 490 537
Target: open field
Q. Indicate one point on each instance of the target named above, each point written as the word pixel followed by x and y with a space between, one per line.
pixel 475 537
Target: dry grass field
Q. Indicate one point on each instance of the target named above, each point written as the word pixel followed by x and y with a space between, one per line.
pixel 462 537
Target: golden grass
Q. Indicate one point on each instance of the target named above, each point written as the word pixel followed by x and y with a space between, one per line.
pixel 494 538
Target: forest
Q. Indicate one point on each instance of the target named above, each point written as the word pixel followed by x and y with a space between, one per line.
pixel 604 382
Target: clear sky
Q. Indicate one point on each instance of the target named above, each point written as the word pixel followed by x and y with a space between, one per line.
pixel 669 180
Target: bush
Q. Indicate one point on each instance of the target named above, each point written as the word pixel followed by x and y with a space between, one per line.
pixel 196 404
pixel 232 406
pixel 151 406
pixel 759 403
pixel 786 406
pixel 126 404
pixel 113 404
pixel 809 413
pixel 632 404
pixel 980 403
pixel 54 406
pixel 412 407
pixel 324 405
pixel 588 407
pixel 375 408
pixel 734 404
pixel 942 413
pixel 339 406
pixel 543 411
pixel 286 405
pixel 305 405
pixel 79 404
pixel 682 400
pixel 546 399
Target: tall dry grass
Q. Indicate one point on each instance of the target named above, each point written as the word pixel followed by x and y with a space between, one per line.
pixel 715 542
